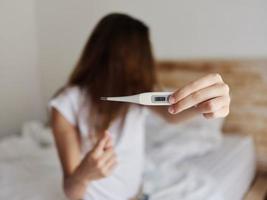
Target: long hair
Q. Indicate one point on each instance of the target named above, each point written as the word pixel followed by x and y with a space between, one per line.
pixel 117 60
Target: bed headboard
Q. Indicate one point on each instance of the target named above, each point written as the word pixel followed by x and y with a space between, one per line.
pixel 247 79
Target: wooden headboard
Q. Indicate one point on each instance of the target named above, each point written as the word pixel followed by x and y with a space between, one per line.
pixel 247 79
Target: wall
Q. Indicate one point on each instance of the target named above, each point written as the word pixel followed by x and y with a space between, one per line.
pixel 180 29
pixel 19 79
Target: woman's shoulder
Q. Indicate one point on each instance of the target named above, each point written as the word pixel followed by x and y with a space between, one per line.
pixel 68 102
pixel 71 93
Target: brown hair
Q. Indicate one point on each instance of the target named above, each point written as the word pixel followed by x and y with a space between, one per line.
pixel 117 60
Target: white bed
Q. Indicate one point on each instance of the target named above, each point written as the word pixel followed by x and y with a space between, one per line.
pixel 28 171
pixel 224 172
pixel 232 166
pixel 195 161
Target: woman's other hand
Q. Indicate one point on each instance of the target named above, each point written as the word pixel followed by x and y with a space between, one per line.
pixel 209 94
pixel 101 160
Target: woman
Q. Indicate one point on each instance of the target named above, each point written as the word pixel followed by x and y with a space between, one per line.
pixel 100 144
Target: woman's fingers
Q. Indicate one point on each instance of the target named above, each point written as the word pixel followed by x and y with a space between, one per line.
pixel 110 153
pixel 213 105
pixel 100 145
pixel 193 99
pixel 110 165
pixel 105 152
pixel 101 159
pixel 109 143
pixel 194 86
pixel 220 113
pixel 107 162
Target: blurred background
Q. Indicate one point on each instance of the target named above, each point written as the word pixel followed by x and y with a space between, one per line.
pixel 41 40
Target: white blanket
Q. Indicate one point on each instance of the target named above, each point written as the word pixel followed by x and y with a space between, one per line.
pixel 166 176
pixel 167 143
pixel 28 172
pixel 180 182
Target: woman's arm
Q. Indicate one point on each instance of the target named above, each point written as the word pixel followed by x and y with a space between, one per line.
pixel 208 96
pixel 78 173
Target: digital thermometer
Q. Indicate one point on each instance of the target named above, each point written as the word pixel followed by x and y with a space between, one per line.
pixel 147 98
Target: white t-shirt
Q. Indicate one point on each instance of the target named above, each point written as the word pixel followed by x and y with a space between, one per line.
pixel 125 181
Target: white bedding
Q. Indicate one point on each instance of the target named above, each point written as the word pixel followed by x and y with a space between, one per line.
pixel 167 143
pixel 28 172
pixel 232 166
pixel 224 172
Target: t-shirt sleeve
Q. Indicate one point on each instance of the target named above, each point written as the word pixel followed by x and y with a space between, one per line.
pixel 67 104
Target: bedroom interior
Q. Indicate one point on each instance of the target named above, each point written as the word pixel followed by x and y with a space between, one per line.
pixel 221 159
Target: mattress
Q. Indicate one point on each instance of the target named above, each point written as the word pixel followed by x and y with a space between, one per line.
pixel 232 166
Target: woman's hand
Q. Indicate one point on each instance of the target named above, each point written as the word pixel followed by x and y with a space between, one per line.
pixel 210 96
pixel 101 160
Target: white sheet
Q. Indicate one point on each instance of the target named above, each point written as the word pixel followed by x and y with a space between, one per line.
pixel 182 181
pixel 28 172
pixel 225 173
pixel 232 166
pixel 167 143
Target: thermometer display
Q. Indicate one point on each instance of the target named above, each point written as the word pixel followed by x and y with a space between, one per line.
pixel 160 98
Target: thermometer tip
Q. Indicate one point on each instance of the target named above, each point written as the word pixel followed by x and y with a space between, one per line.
pixel 103 98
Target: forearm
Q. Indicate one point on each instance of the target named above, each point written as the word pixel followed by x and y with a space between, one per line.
pixel 75 185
